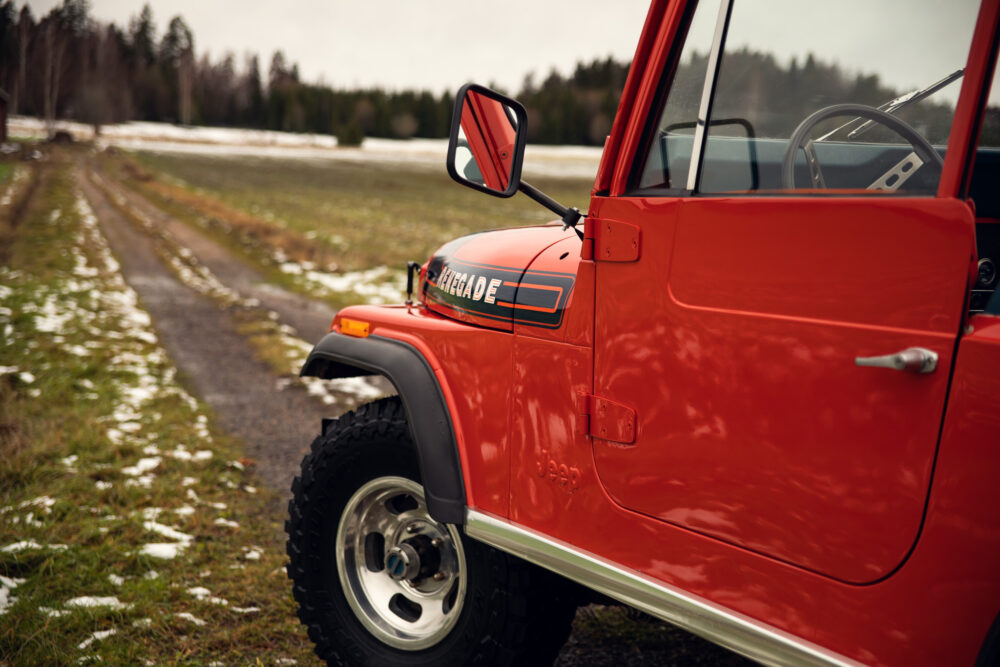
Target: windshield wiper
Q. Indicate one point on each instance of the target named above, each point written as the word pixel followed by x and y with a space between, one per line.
pixel 897 104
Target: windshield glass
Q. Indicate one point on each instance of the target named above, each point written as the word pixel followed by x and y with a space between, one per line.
pixel 783 61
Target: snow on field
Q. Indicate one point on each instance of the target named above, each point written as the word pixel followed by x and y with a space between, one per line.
pixel 377 285
pixel 555 161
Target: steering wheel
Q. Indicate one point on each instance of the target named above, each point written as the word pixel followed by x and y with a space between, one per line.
pixel 892 179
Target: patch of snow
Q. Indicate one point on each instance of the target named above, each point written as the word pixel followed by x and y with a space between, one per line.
pixel 97 636
pixel 90 601
pixel 203 594
pixel 377 285
pixel 167 531
pixel 190 617
pixel 7 584
pixel 54 613
pixel 142 622
pixel 145 481
pixel 44 502
pixel 103 486
pixel 143 466
pixel 246 610
pixel 25 545
pixel 564 161
pixel 226 522
pixel 252 553
pixel 162 550
pixel 116 580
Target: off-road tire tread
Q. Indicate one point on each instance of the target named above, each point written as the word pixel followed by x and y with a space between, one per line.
pixel 528 610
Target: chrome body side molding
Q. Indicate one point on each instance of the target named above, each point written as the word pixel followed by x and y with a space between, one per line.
pixel 722 626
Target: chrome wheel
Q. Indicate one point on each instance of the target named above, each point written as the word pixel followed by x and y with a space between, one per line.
pixel 403 573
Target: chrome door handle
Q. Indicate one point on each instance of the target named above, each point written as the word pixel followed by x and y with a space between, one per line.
pixel 912 359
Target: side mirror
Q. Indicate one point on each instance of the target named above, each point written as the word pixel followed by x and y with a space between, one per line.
pixel 487 141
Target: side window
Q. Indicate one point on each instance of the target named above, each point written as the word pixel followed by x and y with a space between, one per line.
pixel 851 98
pixel 669 155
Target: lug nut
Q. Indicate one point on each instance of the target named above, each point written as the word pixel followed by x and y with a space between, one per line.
pixel 438 576
pixel 437 542
pixel 412 528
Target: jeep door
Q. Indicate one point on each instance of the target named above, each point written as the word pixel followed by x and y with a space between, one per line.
pixel 771 266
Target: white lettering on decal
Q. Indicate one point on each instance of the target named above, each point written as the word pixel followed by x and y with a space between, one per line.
pixel 491 291
pixel 467 291
pixel 443 282
pixel 480 288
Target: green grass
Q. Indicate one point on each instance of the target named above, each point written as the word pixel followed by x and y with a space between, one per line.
pixel 86 393
pixel 358 215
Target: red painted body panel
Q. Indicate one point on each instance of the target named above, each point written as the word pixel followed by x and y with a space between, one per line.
pixel 550 461
pixel 754 424
pixel 473 367
pixel 578 320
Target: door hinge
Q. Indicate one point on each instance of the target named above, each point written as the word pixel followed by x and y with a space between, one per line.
pixel 605 419
pixel 607 240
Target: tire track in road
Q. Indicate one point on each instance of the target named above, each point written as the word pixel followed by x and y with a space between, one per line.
pixel 309 317
pixel 202 339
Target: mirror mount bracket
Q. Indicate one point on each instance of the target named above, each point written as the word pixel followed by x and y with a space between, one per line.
pixel 569 216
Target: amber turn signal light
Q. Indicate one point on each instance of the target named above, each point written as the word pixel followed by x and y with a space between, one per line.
pixel 355 328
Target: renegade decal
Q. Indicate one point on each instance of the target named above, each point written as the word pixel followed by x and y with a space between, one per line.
pixel 535 298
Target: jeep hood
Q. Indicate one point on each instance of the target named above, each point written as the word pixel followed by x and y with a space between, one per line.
pixel 486 279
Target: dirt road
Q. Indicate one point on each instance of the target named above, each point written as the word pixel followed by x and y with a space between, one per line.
pixel 202 338
pixel 277 421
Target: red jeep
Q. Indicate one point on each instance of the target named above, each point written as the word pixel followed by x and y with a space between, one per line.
pixel 753 391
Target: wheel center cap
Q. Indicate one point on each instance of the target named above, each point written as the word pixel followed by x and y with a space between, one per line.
pixel 402 562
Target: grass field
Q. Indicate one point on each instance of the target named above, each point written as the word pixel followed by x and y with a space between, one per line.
pixel 130 530
pixel 356 216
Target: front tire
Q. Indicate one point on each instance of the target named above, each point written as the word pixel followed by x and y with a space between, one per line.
pixel 380 582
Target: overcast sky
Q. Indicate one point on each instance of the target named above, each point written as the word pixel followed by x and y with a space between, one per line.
pixel 441 44
pixel 434 44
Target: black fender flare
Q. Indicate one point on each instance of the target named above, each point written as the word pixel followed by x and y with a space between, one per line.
pixel 340 356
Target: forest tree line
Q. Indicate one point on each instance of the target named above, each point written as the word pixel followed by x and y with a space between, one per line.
pixel 67 65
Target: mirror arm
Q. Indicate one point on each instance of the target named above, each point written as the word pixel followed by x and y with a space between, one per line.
pixel 570 216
